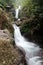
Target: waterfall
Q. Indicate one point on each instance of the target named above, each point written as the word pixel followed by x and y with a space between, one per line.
pixel 30 49
pixel 17 11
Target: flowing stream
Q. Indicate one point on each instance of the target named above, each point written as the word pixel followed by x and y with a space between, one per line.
pixel 17 12
pixel 30 49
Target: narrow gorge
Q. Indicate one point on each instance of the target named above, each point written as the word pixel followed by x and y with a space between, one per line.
pixel 31 50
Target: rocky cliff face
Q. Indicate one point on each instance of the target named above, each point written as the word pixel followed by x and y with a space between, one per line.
pixel 9 54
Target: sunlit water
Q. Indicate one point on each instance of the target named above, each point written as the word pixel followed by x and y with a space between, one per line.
pixel 30 50
pixel 17 11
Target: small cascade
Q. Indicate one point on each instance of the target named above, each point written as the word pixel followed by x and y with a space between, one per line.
pixel 17 12
pixel 31 50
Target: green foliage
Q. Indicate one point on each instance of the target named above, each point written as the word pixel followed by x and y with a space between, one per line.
pixel 4 3
pixel 32 7
pixel 30 25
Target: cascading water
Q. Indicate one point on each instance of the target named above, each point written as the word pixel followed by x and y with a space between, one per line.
pixel 31 50
pixel 17 11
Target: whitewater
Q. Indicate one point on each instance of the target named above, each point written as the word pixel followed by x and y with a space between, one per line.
pixel 31 50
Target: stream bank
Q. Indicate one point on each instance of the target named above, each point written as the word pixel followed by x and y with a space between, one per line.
pixel 9 53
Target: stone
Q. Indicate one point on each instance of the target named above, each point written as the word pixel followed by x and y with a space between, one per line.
pixel 9 55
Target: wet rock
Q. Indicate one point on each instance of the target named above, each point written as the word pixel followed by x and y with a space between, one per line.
pixel 18 22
